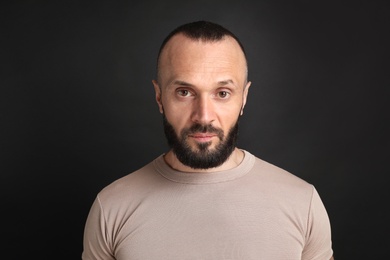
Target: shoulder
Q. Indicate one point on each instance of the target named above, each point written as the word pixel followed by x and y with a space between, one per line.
pixel 131 186
pixel 280 182
pixel 273 173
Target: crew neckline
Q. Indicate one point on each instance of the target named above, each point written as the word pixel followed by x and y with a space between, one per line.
pixel 204 177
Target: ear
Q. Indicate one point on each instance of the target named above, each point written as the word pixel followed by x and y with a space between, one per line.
pixel 244 97
pixel 157 89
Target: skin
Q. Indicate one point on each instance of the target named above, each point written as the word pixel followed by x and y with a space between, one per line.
pixel 202 82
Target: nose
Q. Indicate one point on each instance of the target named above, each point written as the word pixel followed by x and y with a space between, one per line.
pixel 203 111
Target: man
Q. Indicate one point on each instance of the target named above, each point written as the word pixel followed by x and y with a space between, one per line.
pixel 205 198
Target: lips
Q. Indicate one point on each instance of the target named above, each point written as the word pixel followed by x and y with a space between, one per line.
pixel 202 137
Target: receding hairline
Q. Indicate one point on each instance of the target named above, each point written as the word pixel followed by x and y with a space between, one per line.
pixel 200 40
pixel 203 31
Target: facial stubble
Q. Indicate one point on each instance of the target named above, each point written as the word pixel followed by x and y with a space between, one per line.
pixel 201 157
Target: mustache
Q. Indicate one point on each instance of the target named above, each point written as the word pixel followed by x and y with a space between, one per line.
pixel 202 128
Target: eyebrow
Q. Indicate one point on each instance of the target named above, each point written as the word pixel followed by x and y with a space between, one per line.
pixel 226 82
pixel 182 83
pixel 186 84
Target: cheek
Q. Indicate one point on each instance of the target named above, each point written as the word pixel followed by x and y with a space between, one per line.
pixel 178 120
pixel 176 113
pixel 229 123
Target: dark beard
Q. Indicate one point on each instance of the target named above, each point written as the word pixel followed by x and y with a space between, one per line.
pixel 203 158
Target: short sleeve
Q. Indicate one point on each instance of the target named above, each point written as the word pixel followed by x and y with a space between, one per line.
pixel 95 244
pixel 318 244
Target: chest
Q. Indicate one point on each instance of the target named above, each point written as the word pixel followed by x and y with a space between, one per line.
pixel 211 225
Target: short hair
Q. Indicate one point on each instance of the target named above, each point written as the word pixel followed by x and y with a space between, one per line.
pixel 200 30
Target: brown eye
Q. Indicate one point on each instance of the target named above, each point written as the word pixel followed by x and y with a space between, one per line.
pixel 223 94
pixel 183 92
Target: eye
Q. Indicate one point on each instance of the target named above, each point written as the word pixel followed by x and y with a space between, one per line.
pixel 183 92
pixel 223 94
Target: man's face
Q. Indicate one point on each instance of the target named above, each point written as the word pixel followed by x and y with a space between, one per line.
pixel 201 91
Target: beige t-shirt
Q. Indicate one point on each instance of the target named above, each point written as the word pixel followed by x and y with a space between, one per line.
pixel 254 211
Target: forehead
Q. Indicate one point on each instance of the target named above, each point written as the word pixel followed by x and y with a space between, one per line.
pixel 182 54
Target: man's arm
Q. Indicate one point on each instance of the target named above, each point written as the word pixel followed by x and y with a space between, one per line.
pixel 95 245
pixel 318 240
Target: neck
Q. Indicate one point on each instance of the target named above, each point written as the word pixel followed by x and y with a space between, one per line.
pixel 233 161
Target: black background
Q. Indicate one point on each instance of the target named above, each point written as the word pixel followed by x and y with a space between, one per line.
pixel 78 110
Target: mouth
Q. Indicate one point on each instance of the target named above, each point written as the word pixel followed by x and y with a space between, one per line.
pixel 202 137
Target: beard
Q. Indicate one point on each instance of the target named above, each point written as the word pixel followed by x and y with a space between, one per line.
pixel 203 157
